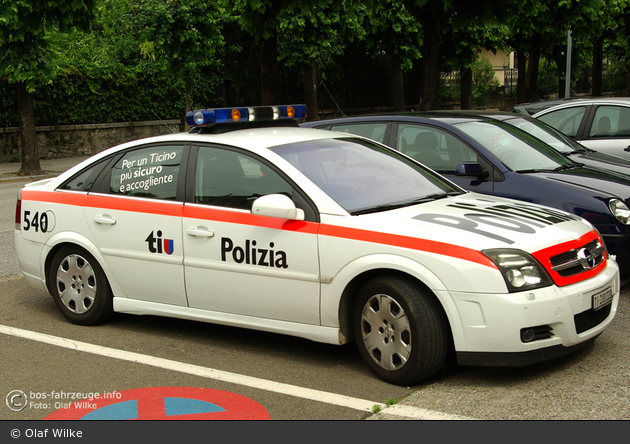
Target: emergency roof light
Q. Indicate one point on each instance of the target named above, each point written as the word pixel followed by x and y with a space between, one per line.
pixel 214 116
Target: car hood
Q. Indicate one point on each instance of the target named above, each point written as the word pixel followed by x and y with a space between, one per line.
pixel 598 159
pixel 479 222
pixel 594 180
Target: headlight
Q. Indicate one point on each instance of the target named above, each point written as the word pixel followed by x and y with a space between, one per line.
pixel 620 210
pixel 519 269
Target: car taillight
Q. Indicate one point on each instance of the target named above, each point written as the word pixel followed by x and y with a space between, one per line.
pixel 18 211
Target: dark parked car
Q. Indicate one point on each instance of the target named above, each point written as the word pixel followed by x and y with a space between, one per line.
pixel 483 154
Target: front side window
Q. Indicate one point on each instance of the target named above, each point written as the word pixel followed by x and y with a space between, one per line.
pixel 362 176
pixel 566 120
pixel 433 147
pixel 148 172
pixel 233 179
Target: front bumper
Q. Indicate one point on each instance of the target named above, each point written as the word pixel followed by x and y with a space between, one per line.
pixel 491 324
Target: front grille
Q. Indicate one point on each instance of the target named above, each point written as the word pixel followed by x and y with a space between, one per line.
pixel 581 259
pixel 590 319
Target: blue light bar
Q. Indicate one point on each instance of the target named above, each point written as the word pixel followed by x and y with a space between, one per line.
pixel 212 116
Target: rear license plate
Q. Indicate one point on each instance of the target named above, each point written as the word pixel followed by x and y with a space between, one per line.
pixel 602 298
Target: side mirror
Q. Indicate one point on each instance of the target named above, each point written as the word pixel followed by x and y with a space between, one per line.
pixel 473 169
pixel 277 205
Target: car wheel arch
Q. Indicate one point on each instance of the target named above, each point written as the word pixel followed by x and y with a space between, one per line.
pixel 71 239
pixel 351 291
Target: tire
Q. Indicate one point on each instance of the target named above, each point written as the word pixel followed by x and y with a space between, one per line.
pixel 79 287
pixel 400 330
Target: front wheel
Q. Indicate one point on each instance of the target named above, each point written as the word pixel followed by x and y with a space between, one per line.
pixel 79 287
pixel 400 330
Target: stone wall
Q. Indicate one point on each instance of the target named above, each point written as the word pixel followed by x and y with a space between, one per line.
pixel 62 141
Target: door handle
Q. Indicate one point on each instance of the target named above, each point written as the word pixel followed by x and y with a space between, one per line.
pixel 627 149
pixel 105 219
pixel 199 232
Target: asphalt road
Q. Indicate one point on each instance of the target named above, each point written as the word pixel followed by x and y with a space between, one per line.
pixel 290 377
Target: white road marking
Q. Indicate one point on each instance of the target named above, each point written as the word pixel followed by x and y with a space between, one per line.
pixel 233 378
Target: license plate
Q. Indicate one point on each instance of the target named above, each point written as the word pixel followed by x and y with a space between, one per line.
pixel 602 298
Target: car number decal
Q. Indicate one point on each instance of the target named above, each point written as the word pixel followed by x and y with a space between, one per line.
pixel 43 222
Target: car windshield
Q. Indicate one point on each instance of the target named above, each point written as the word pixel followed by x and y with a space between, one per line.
pixel 516 149
pixel 364 177
pixel 547 134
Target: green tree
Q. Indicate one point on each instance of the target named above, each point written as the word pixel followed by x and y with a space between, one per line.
pixel 183 37
pixel 311 34
pixel 393 31
pixel 434 16
pixel 27 57
pixel 461 46
pixel 260 18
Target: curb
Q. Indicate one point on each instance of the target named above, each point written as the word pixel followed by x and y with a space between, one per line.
pixel 27 178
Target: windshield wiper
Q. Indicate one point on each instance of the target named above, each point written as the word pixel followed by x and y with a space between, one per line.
pixel 549 170
pixel 393 206
pixel 568 167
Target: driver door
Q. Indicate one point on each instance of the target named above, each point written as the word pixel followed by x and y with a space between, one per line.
pixel 239 263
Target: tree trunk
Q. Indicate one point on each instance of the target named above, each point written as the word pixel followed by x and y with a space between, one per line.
pixel 28 135
pixel 429 18
pixel 269 71
pixel 466 76
pixel 188 98
pixel 521 82
pixel 310 90
pixel 598 49
pixel 398 86
pixel 532 67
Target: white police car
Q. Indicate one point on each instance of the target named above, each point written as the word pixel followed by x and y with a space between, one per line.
pixel 315 234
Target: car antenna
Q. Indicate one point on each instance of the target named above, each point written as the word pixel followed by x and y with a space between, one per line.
pixel 169 128
pixel 333 99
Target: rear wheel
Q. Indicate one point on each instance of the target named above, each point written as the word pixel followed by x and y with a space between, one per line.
pixel 79 287
pixel 400 330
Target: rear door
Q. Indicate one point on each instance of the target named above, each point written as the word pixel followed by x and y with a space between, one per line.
pixel 134 216
pixel 608 130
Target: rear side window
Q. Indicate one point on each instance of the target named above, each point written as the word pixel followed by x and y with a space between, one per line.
pixel 84 180
pixel 611 121
pixel 374 131
pixel 148 172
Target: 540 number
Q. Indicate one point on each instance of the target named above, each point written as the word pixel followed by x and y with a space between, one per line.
pixel 38 222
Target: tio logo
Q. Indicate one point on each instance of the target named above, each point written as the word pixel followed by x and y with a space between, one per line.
pixel 159 245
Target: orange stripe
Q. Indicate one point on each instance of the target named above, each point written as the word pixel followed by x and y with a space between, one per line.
pixel 413 243
pixel 242 218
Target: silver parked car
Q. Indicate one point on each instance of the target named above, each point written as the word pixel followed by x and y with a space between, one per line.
pixel 602 124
